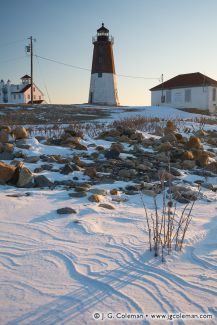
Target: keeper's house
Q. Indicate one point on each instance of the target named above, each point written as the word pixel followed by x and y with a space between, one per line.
pixel 20 93
pixel 191 90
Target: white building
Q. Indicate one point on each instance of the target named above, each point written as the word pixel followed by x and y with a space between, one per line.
pixel 191 90
pixel 21 93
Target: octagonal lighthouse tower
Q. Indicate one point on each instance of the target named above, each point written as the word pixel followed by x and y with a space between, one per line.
pixel 103 83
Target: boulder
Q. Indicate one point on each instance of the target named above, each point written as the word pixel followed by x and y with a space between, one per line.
pixel 66 210
pixel 67 169
pixel 20 133
pixel 106 206
pixel 164 147
pixel 9 147
pixel 194 143
pixel 6 172
pixel 94 198
pixel 4 136
pixel 188 164
pixel 112 154
pixel 114 191
pixel 91 172
pixel 6 128
pixel 77 194
pixel 117 146
pixel 98 191
pixel 32 159
pixel 43 181
pixel 25 178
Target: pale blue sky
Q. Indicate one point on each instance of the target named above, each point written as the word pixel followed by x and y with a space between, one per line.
pixel 151 37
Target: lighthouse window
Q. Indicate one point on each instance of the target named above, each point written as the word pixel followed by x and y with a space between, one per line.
pixel 99 74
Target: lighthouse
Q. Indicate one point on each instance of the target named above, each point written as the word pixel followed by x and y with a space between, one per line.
pixel 103 83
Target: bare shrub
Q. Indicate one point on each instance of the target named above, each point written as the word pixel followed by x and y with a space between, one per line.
pixel 167 227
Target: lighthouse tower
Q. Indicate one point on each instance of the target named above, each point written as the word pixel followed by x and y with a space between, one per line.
pixel 103 83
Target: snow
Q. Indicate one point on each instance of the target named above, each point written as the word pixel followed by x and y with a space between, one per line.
pixel 62 269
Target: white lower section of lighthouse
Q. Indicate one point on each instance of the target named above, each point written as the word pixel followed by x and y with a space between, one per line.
pixel 103 89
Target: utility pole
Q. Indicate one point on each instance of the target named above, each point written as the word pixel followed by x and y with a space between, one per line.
pixel 162 89
pixel 31 55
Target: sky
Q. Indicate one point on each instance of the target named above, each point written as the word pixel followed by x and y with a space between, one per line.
pixel 151 38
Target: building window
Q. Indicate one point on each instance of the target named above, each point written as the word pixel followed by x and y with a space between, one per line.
pixel 214 94
pixel 34 96
pixel 39 97
pixel 33 88
pixel 19 96
pixel 28 96
pixel 99 74
pixel 168 96
pixel 14 96
pixel 17 87
pixel 187 95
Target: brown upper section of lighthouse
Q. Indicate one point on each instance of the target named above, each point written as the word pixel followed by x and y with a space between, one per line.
pixel 103 58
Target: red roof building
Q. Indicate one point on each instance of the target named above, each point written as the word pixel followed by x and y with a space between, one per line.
pixel 191 90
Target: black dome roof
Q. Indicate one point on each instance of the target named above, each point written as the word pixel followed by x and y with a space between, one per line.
pixel 102 29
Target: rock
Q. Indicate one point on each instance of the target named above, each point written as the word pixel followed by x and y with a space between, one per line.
pixel 175 172
pixel 66 210
pixel 40 138
pixel 170 127
pixel 23 146
pixel 94 198
pixel 91 172
pixel 120 199
pixel 25 178
pixel 164 175
pixel 1 147
pixel 4 136
pixel 5 128
pixel 66 169
pixel 98 191
pixel 70 130
pixel 194 143
pixel 78 194
pixel 170 137
pixel 8 147
pixel 188 155
pixel 149 193
pixel 112 154
pixel 114 191
pixel 117 146
pixel 203 159
pixel 38 170
pixel 127 173
pixel 32 159
pixel 80 146
pixel 164 147
pixel 20 133
pixel 212 166
pixel 106 206
pixel 159 131
pixel 43 181
pixel 81 189
pixel 6 156
pixel 6 172
pixel 100 148
pixel 188 164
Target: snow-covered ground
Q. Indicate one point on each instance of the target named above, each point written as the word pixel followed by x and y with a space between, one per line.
pixel 64 269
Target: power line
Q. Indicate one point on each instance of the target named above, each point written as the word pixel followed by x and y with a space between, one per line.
pixel 86 69
pixel 62 63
